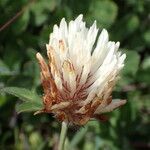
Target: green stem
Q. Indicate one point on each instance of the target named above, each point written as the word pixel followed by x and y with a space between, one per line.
pixel 63 133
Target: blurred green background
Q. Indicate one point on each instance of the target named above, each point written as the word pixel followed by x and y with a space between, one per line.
pixel 127 21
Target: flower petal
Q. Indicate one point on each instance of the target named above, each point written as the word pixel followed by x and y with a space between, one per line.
pixel 113 105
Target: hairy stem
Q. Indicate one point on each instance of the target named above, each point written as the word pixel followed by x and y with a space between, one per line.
pixel 63 133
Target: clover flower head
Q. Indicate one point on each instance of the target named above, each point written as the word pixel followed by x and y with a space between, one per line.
pixel 81 72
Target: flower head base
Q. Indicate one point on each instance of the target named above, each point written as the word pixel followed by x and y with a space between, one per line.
pixel 79 77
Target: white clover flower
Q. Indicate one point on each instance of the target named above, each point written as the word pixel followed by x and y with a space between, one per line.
pixel 81 72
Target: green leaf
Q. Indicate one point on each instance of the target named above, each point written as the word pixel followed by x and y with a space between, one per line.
pixel 36 140
pixel 147 37
pixel 104 11
pixel 125 27
pixel 146 63
pixel 31 101
pixel 21 24
pixel 3 100
pixel 144 71
pixel 22 93
pixel 40 9
pixel 130 69
pixel 28 106
pixel 4 69
pixel 131 63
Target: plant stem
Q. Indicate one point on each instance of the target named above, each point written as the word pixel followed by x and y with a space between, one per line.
pixel 63 133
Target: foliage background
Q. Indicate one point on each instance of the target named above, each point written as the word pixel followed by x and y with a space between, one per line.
pixel 127 21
